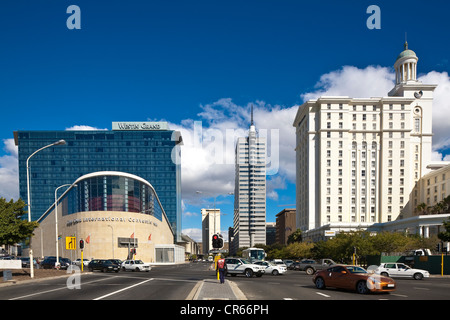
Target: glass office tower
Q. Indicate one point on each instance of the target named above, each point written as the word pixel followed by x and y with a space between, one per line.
pixel 149 150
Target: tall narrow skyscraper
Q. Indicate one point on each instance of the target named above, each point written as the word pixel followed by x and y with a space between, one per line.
pixel 250 190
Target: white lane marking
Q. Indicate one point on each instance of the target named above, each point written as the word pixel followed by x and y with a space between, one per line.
pixel 123 289
pixel 47 291
pixel 399 295
pixel 323 294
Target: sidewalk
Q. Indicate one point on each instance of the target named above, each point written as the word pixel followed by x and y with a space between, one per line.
pixel 212 289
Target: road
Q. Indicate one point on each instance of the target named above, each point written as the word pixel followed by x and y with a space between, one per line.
pixel 178 282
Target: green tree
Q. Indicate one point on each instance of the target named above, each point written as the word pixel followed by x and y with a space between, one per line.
pixel 296 236
pixel 13 228
pixel 445 236
pixel 299 250
pixel 421 207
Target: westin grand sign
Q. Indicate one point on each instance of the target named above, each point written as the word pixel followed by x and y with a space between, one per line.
pixel 140 126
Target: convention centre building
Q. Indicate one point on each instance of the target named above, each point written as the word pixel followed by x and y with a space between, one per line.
pixel 117 215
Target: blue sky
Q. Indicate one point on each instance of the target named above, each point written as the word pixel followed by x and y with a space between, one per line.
pixel 186 61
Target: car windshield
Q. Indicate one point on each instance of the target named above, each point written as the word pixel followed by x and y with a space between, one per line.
pixel 354 269
pixel 245 261
pixel 138 262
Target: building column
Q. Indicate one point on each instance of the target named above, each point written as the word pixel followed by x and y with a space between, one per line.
pixel 426 231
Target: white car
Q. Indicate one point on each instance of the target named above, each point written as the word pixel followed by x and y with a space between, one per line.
pixel 274 269
pixel 78 262
pixel 241 266
pixel 135 265
pixel 394 270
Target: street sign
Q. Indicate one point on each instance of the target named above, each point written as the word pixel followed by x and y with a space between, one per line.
pixel 71 243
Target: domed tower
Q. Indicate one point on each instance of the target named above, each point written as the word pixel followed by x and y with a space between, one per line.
pixel 406 66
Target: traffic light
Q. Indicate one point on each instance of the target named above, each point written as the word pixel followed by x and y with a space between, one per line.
pixel 439 247
pixel 215 237
pixel 81 244
pixel 217 241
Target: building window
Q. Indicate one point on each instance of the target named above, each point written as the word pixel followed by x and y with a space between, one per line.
pixel 417 124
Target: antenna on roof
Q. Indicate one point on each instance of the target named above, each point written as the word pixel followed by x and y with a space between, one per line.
pixel 251 121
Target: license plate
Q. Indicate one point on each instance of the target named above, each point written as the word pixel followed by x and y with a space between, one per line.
pixel 391 285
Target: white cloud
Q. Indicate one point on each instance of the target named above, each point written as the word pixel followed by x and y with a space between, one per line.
pixel 372 81
pixel 194 233
pixel 82 127
pixel 441 108
pixel 9 171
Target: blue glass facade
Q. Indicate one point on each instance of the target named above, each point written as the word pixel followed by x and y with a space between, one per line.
pixel 147 153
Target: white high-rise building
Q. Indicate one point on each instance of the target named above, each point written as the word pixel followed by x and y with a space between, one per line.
pixel 210 226
pixel 357 160
pixel 250 190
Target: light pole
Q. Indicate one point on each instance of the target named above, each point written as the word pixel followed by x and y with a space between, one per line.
pixel 57 143
pixel 56 220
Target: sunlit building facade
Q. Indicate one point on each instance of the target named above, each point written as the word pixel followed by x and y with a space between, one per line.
pixel 358 159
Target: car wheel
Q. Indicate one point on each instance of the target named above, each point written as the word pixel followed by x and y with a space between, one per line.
pixel 320 283
pixel 137 269
pixel 361 287
pixel 248 273
pixel 275 272
pixel 384 274
pixel 123 269
pixel 418 276
pixel 309 271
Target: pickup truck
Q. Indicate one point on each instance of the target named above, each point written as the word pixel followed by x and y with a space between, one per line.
pixel 311 266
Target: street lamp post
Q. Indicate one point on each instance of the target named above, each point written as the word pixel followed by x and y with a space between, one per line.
pixel 56 220
pixel 57 143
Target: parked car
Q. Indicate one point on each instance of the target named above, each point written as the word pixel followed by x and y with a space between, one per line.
pixel 288 263
pixel 401 270
pixel 116 261
pixel 49 263
pixel 274 269
pixel 103 265
pixel 136 265
pixel 78 262
pixel 26 262
pixel 352 278
pixel 241 266
pixel 294 266
pixel 278 261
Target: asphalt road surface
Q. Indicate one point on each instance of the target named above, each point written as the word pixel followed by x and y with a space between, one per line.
pixel 178 282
